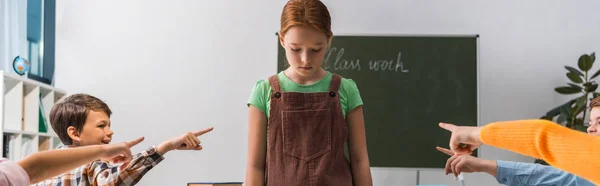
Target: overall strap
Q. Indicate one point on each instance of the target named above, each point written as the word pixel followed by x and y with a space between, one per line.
pixel 336 80
pixel 274 81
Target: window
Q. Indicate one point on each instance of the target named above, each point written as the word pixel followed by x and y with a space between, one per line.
pixel 27 30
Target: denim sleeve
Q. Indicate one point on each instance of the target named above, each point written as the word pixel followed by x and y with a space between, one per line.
pixel 516 173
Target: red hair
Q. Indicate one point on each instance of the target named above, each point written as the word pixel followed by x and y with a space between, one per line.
pixel 308 13
pixel 595 102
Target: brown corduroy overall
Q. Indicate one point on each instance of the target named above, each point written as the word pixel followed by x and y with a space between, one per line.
pixel 305 138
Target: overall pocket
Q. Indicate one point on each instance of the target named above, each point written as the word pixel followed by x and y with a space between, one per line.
pixel 307 133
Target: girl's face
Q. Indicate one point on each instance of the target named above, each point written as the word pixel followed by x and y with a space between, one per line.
pixel 305 50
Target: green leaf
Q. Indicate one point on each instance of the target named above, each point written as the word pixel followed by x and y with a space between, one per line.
pixel 593 57
pixel 595 94
pixel 574 77
pixel 595 74
pixel 580 128
pixel 550 114
pixel 579 105
pixel 566 112
pixel 585 62
pixel 573 70
pixel 577 124
pixel 561 119
pixel 580 101
pixel 567 90
pixel 571 89
pixel 576 86
pixel 556 111
pixel 593 88
pixel 590 86
pixel 549 118
pixel 579 121
pixel 574 112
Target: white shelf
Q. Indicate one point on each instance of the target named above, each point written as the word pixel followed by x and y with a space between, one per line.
pixel 21 105
pixel 55 141
pixel 29 145
pixel 13 104
pixel 44 143
pixel 9 131
pixel 14 141
pixel 31 106
pixel 29 81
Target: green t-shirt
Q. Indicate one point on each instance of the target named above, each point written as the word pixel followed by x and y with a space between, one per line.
pixel 349 94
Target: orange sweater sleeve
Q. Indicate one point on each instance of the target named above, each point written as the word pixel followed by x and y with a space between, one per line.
pixel 566 149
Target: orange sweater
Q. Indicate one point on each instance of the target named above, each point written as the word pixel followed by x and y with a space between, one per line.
pixel 566 149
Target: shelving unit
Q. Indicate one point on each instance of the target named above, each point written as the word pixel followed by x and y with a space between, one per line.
pixel 24 122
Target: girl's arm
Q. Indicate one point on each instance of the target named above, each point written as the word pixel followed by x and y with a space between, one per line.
pixel 357 146
pixel 561 147
pixel 45 164
pixel 257 147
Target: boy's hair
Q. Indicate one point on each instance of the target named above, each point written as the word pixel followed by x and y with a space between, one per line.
pixel 595 102
pixel 73 111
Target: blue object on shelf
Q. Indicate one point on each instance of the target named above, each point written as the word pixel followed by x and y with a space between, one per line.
pixel 21 65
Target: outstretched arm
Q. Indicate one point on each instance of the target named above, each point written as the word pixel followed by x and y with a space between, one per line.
pixel 561 147
pixel 46 164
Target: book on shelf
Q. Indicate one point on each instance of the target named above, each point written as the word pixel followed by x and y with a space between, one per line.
pixel 43 122
pixel 23 110
pixel 26 147
pixel 6 146
pixel 9 149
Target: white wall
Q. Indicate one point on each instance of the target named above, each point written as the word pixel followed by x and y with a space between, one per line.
pixel 169 67
pixel 13 32
pixel 3 33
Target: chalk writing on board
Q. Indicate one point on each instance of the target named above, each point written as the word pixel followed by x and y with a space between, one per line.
pixel 339 63
pixel 381 65
pixel 391 65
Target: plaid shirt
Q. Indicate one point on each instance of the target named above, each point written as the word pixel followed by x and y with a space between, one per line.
pixel 100 173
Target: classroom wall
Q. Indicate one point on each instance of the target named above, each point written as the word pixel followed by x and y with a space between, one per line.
pixel 170 67
pixel 13 32
pixel 3 33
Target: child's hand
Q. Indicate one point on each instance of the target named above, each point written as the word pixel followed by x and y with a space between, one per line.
pixel 120 152
pixel 464 139
pixel 467 163
pixel 187 141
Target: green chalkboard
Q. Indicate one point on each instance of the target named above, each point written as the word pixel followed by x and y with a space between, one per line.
pixel 408 85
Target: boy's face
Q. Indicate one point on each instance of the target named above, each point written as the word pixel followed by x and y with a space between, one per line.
pixel 96 130
pixel 594 128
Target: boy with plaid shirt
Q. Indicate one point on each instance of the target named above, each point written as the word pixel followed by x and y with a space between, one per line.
pixel 81 120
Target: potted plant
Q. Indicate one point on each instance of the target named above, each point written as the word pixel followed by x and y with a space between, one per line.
pixel 573 113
